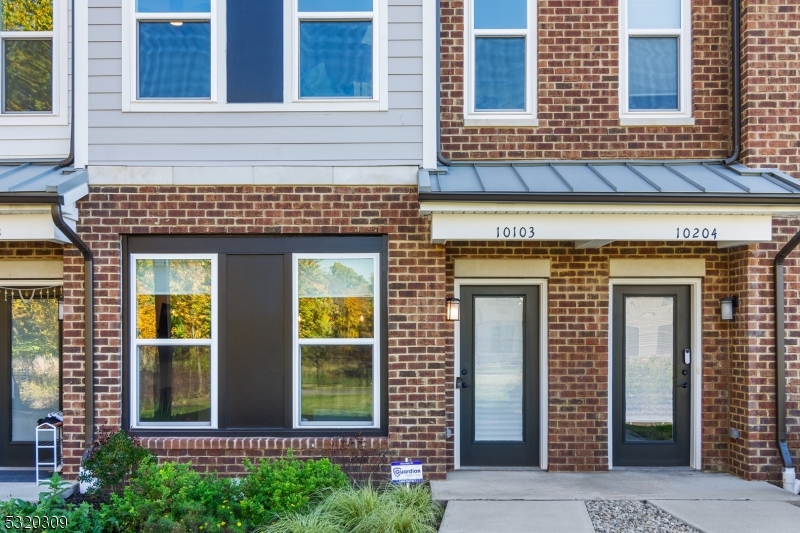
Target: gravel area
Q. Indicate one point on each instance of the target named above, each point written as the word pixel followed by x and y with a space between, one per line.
pixel 628 516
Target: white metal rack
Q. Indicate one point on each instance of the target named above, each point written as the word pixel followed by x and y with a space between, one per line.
pixel 48 446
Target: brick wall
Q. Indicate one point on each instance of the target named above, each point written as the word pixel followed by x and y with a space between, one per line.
pixel 578 90
pixel 416 303
pixel 755 454
pixel 30 250
pixel 578 294
pixel 771 84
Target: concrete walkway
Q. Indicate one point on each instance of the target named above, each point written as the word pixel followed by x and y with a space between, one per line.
pixel 23 491
pixel 515 501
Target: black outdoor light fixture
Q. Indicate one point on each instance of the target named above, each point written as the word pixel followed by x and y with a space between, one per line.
pixel 452 309
pixel 727 305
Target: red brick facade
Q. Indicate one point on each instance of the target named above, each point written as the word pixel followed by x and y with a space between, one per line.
pixel 417 339
pixel 578 81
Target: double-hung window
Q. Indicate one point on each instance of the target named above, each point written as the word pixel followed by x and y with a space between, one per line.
pixel 33 71
pixel 655 62
pixel 335 49
pixel 336 348
pixel 174 49
pixel 500 62
pixel 174 340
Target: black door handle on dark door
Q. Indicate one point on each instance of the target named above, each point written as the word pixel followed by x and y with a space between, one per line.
pixel 685 384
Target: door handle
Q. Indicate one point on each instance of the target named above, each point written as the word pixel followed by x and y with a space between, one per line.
pixel 461 384
pixel 685 385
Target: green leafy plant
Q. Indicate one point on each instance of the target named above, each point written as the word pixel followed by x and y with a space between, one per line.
pixel 111 460
pixel 285 485
pixel 69 518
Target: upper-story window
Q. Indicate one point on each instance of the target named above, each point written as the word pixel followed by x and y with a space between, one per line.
pixel 655 62
pixel 249 55
pixel 31 38
pixel 174 49
pixel 500 62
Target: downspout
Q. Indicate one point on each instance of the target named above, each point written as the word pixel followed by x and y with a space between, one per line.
pixel 789 478
pixel 88 334
pixel 439 157
pixel 736 41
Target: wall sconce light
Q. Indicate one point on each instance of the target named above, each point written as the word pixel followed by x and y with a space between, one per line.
pixel 452 309
pixel 727 305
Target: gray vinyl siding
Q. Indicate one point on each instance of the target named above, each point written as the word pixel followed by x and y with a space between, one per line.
pixel 32 142
pixel 392 137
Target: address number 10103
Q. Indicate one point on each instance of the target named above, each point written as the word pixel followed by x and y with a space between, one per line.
pixel 513 232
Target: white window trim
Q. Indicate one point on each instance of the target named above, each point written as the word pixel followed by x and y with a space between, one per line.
pixel 681 117
pixel 375 342
pixel 218 102
pixel 527 117
pixel 60 37
pixel 135 343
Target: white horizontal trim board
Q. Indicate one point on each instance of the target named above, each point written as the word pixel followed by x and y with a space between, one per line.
pixel 502 268
pixel 31 269
pixel 661 268
pixel 32 226
pixel 429 207
pixel 250 175
pixel 592 226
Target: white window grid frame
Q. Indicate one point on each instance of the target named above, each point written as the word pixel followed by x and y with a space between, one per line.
pixel 135 343
pixel 526 117
pixel 60 89
pixel 375 342
pixel 299 17
pixel 218 102
pixel 683 115
pixel 131 30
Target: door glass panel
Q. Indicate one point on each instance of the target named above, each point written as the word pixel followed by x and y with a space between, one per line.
pixel 498 368
pixel 34 364
pixel 649 356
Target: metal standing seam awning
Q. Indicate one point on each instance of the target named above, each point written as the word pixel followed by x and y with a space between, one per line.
pixel 597 202
pixel 27 192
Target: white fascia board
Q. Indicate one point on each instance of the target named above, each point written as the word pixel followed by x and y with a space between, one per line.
pixel 600 227
pixel 431 207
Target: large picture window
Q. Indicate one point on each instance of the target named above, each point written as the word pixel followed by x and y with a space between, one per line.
pixel 336 340
pixel 174 352
pixel 258 335
pixel 500 62
pixel 655 61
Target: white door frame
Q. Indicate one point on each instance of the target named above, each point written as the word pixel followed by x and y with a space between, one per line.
pixel 696 336
pixel 543 374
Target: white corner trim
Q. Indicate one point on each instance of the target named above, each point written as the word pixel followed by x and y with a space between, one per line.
pixel 430 134
pixel 696 303
pixel 80 34
pixel 544 394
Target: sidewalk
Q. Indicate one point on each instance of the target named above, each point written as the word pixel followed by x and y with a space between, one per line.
pixel 533 501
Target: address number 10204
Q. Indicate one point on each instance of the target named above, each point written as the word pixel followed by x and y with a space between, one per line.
pixel 696 233
pixel 514 232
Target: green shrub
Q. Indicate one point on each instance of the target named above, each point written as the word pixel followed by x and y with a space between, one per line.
pixel 112 459
pixel 389 509
pixel 70 518
pixel 285 485
pixel 173 498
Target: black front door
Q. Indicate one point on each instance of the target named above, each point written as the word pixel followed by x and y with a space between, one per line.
pixel 652 380
pixel 498 376
pixel 30 371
